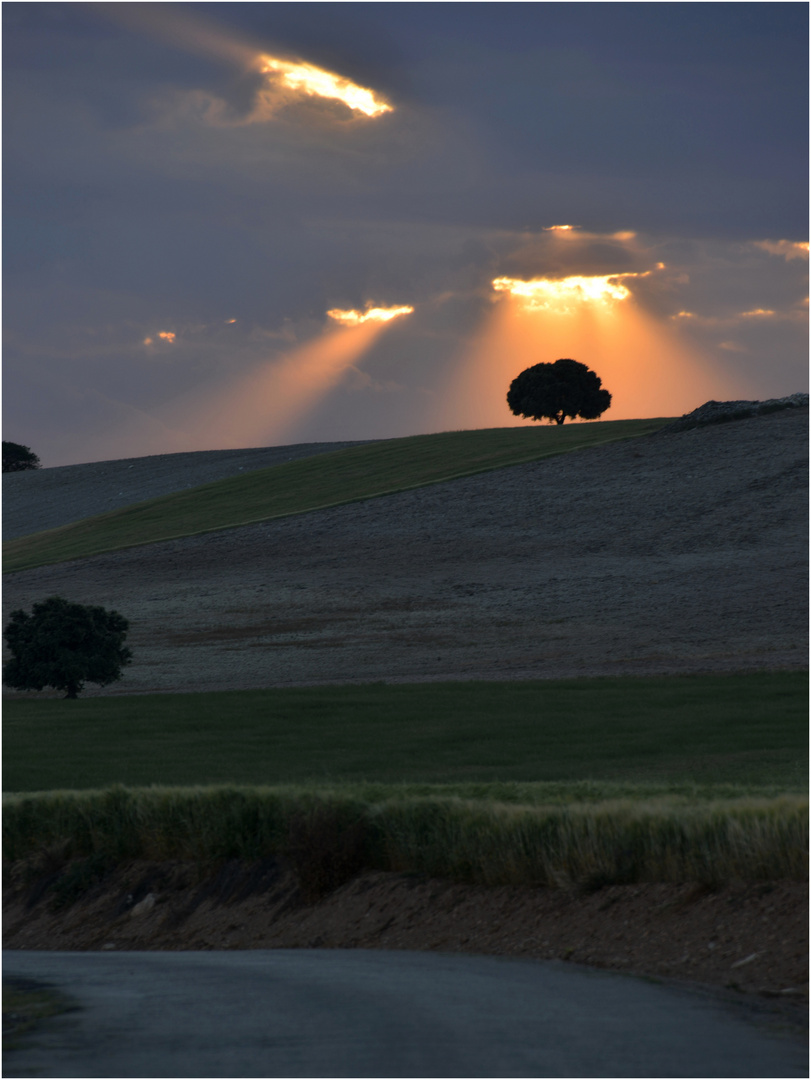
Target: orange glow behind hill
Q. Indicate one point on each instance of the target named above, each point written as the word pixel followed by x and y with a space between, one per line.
pixel 643 364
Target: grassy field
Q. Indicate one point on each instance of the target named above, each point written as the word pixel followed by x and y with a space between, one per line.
pixel 361 472
pixel 745 730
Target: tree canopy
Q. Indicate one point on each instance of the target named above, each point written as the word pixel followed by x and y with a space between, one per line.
pixel 17 458
pixel 64 645
pixel 555 391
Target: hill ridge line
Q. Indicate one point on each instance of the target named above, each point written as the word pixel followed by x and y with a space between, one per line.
pixel 63 529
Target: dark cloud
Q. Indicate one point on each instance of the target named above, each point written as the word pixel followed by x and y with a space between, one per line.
pixel 558 255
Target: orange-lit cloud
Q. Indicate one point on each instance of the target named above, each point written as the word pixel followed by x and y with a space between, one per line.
pixel 733 320
pixel 286 78
pixel 789 249
pixel 353 317
pixel 562 294
pixel 312 81
pixel 575 232
pixel 164 335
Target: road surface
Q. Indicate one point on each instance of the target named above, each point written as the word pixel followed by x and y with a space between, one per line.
pixel 335 1013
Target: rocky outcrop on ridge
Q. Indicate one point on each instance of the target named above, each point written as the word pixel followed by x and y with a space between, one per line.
pixel 719 412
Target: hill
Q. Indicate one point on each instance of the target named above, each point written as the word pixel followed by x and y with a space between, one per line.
pixel 309 482
pixel 669 553
pixel 48 498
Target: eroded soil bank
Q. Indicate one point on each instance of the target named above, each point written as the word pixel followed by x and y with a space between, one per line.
pixel 749 938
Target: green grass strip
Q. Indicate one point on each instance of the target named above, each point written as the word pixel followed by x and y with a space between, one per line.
pixel 361 472
pixel 25 1004
pixel 480 841
pixel 748 730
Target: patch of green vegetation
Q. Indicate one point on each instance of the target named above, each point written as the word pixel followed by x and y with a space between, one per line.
pixel 25 1004
pixel 360 472
pixel 749 731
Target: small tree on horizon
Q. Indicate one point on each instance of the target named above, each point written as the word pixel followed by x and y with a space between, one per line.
pixel 18 458
pixel 64 645
pixel 555 391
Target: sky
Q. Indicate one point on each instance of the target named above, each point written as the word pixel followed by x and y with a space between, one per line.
pixel 234 225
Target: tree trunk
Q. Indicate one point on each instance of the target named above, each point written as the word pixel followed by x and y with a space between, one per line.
pixel 72 691
pixel 560 419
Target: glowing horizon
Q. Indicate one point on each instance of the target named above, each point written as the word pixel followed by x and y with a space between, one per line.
pixel 643 363
pixel 353 317
pixel 313 81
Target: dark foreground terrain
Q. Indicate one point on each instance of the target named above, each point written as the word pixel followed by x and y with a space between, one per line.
pixel 679 552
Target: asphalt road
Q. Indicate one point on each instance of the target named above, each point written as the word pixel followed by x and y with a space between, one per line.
pixel 335 1013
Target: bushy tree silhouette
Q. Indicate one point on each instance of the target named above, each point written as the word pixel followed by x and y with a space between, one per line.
pixel 17 458
pixel 555 391
pixel 64 645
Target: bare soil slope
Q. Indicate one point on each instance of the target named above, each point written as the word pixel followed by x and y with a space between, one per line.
pixel 750 937
pixel 677 552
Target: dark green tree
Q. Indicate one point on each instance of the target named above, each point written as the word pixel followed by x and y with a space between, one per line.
pixel 64 645
pixel 555 391
pixel 17 458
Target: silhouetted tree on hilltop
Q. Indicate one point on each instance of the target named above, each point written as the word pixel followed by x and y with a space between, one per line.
pixel 555 391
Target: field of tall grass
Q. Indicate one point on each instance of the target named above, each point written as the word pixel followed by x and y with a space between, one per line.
pixel 360 472
pixel 538 838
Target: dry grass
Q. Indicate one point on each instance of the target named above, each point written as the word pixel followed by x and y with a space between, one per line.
pixel 330 835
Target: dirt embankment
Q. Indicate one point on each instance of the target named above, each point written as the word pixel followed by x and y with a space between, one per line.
pixel 750 938
pixel 672 553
